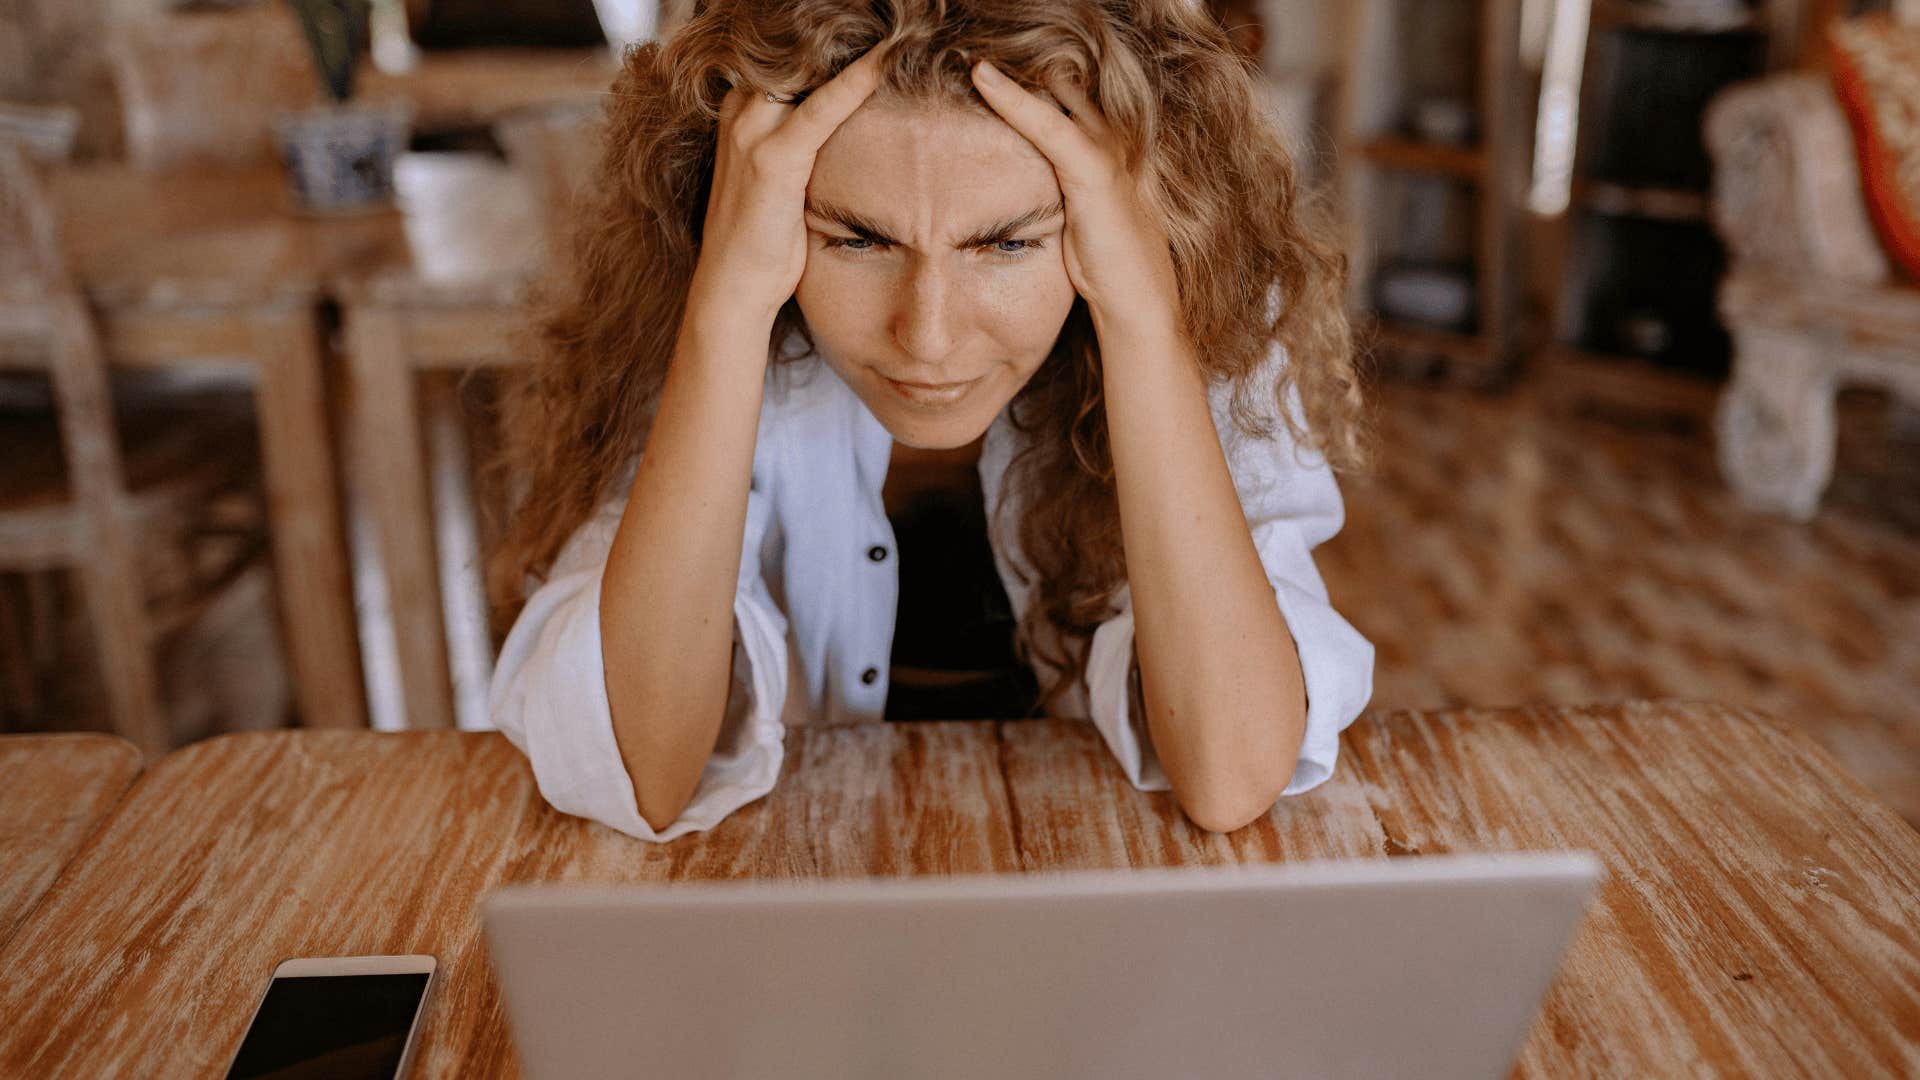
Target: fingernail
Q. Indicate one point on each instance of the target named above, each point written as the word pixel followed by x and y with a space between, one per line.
pixel 988 73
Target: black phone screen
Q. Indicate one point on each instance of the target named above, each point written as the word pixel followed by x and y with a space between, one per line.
pixel 353 1027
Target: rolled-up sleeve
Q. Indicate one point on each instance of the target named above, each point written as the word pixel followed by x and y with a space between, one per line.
pixel 549 690
pixel 1292 505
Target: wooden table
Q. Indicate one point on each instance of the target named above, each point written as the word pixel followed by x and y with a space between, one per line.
pixel 1761 915
pixel 470 88
pixel 214 264
pixel 210 267
pixel 477 239
pixel 54 789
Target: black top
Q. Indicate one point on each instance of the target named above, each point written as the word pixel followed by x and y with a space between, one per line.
pixel 953 656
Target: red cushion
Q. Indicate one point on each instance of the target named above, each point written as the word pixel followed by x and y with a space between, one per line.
pixel 1876 73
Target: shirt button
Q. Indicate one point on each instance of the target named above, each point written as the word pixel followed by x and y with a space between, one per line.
pixel 877 553
pixel 870 676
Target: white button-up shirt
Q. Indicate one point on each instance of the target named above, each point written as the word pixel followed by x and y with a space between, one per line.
pixel 814 614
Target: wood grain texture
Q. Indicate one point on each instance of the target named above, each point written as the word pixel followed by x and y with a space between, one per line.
pixel 248 849
pixel 1760 916
pixel 56 789
pixel 1078 811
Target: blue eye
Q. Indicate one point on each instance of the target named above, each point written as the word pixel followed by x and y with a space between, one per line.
pixel 1005 249
pixel 1014 249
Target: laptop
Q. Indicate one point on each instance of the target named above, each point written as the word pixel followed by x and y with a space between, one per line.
pixel 1431 966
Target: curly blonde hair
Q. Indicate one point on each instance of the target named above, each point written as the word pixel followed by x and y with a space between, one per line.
pixel 1169 84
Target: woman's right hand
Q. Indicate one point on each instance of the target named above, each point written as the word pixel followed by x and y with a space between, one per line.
pixel 753 247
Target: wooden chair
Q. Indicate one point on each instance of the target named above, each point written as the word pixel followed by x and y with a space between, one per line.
pixel 480 232
pixel 220 273
pixel 79 492
pixel 205 87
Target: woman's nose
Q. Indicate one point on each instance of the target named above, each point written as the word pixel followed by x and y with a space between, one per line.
pixel 925 321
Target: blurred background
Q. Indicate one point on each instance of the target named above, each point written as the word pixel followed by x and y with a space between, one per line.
pixel 1637 279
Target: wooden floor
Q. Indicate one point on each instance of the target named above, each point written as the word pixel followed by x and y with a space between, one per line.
pixel 1502 553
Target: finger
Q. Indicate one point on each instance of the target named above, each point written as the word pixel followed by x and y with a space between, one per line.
pixel 752 115
pixel 814 120
pixel 731 104
pixel 1084 111
pixel 1050 131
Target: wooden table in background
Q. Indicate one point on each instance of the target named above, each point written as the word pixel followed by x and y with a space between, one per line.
pixel 1761 914
pixel 54 789
pixel 476 241
pixel 472 88
pixel 212 264
pixel 204 267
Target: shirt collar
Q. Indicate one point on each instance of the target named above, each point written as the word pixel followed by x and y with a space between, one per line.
pixel 873 443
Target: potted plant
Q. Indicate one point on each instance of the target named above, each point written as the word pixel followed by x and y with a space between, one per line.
pixel 340 154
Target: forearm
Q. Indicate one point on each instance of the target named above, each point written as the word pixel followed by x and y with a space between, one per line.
pixel 666 601
pixel 1225 699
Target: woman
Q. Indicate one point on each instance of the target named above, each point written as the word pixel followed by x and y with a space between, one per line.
pixel 1036 266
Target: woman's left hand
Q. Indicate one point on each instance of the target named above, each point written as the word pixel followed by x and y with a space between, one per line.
pixel 1114 243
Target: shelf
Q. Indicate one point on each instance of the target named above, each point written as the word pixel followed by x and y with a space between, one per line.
pixel 1628 15
pixel 1412 155
pixel 1407 337
pixel 1471 360
pixel 1677 205
pixel 1409 199
pixel 1627 384
pixel 1640 261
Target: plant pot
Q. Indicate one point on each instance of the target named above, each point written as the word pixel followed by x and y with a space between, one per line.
pixel 340 158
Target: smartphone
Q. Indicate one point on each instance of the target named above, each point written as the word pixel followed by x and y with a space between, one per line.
pixel 347 1017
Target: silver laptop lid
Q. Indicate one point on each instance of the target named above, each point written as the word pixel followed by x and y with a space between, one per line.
pixel 1430 966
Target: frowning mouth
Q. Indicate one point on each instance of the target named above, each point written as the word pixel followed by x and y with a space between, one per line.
pixel 932 393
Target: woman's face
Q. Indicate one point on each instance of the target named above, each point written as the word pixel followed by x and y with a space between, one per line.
pixel 934 282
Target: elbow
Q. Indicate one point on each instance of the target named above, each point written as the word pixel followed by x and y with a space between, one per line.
pixel 656 821
pixel 1227 807
pixel 668 803
pixel 659 815
pixel 1233 796
pixel 1227 814
pixel 664 768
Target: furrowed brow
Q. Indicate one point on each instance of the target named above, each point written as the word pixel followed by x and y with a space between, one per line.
pixel 862 227
pixel 867 229
pixel 1005 230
